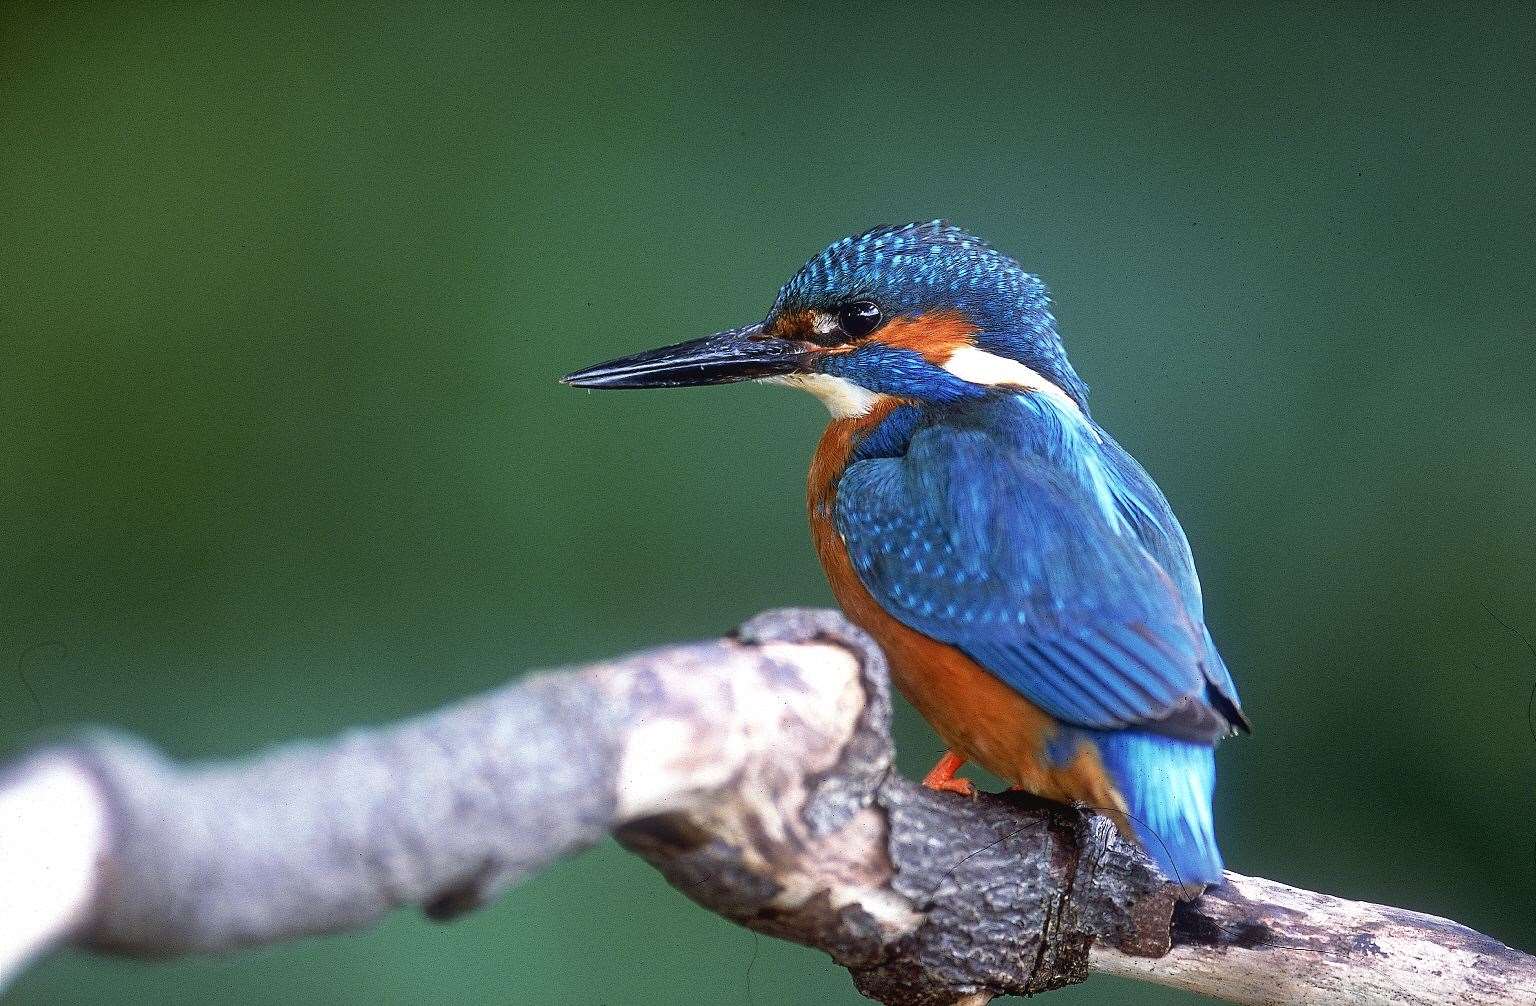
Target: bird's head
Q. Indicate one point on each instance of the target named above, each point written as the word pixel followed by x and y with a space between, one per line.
pixel 924 312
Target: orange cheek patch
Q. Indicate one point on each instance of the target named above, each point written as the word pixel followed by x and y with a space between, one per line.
pixel 793 326
pixel 935 336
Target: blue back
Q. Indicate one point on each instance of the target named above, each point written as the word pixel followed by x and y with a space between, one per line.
pixel 1017 531
pixel 1022 535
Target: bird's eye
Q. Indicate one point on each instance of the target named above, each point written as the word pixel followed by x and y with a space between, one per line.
pixel 859 318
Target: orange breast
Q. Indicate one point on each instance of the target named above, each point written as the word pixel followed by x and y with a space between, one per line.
pixel 977 715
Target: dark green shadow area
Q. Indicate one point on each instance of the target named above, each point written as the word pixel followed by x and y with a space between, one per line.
pixel 284 293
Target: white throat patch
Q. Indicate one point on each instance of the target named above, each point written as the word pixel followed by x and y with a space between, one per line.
pixel 843 398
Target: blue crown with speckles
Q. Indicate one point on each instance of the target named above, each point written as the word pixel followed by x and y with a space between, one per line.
pixel 917 268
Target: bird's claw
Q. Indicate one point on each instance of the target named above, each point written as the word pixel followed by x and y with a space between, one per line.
pixel 956 785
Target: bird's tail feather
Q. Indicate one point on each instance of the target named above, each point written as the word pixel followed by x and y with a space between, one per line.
pixel 1167 784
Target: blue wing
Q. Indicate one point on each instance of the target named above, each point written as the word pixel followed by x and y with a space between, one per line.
pixel 1144 507
pixel 1013 533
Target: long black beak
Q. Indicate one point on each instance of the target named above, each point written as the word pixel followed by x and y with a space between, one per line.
pixel 740 354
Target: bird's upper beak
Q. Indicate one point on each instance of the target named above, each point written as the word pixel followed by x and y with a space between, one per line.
pixel 739 354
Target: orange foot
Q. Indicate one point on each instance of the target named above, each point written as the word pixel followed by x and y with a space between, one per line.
pixel 942 776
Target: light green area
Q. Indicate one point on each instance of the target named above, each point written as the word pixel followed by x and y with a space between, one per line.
pixel 284 293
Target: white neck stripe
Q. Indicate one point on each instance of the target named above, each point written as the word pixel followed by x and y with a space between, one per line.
pixel 978 366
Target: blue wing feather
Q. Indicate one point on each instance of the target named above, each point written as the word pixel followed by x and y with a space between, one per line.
pixel 1023 536
pixel 1146 508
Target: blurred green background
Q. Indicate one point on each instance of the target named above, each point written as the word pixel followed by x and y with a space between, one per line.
pixel 284 292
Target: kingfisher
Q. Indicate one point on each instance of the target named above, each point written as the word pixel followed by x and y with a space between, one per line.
pixel 1034 593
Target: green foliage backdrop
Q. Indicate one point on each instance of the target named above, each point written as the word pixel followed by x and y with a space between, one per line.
pixel 284 292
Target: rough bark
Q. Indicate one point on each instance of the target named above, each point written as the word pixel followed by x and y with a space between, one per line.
pixel 753 772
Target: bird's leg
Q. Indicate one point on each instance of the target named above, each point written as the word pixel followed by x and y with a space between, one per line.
pixel 942 776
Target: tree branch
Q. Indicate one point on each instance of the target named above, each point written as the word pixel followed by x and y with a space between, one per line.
pixel 753 772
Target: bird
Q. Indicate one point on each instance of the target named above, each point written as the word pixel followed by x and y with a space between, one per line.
pixel 1035 596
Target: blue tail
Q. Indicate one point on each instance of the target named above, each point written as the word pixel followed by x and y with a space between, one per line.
pixel 1167 784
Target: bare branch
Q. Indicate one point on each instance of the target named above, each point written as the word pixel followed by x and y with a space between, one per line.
pixel 1257 942
pixel 754 773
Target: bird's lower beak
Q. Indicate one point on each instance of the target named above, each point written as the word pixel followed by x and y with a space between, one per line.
pixel 740 354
